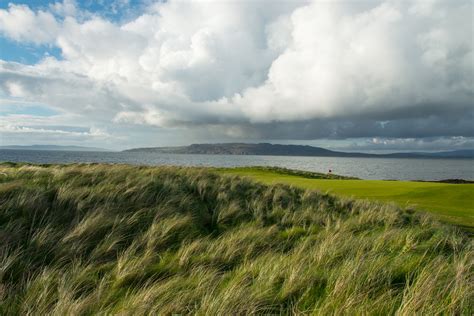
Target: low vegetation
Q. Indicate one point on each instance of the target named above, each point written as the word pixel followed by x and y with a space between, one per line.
pixel 452 203
pixel 279 171
pixel 111 239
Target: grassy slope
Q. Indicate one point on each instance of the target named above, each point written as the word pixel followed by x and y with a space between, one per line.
pixel 452 202
pixel 95 239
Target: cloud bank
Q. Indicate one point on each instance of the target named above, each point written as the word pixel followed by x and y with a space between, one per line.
pixel 259 69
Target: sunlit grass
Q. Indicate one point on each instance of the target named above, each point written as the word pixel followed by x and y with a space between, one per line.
pixel 111 239
pixel 453 203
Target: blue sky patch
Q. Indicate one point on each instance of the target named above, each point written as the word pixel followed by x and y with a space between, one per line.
pixel 33 110
pixel 26 53
pixel 116 11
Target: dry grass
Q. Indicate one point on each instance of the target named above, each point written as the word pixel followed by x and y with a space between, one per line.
pixel 110 239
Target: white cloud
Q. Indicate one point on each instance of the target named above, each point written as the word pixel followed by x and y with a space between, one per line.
pixel 93 132
pixel 14 89
pixel 240 62
pixel 30 129
pixel 339 62
pixel 65 8
pixel 20 23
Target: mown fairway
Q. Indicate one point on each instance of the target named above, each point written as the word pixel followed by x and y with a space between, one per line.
pixel 451 202
pixel 128 240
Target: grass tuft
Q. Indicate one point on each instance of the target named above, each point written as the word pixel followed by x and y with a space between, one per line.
pixel 117 239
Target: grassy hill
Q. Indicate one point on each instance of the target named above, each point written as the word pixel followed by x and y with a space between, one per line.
pixel 453 203
pixel 110 239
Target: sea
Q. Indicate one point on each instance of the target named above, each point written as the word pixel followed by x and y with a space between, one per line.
pixel 364 168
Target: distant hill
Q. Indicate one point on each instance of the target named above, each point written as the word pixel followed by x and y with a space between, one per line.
pixel 53 148
pixel 289 150
pixel 467 153
pixel 249 149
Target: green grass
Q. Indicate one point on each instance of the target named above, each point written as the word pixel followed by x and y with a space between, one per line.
pixel 453 203
pixel 116 239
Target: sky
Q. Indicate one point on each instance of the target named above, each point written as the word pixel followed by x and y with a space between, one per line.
pixel 354 75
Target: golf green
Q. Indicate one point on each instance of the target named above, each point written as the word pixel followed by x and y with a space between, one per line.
pixel 451 202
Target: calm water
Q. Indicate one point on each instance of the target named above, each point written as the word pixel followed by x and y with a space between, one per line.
pixel 366 168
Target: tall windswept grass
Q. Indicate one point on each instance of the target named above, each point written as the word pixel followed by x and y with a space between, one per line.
pixel 114 239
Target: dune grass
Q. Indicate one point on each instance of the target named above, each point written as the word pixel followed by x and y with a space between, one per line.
pixel 116 239
pixel 453 203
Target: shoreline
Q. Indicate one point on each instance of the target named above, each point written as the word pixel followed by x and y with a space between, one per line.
pixel 281 170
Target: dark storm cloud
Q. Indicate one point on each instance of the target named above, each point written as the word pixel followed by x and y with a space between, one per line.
pixel 422 127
